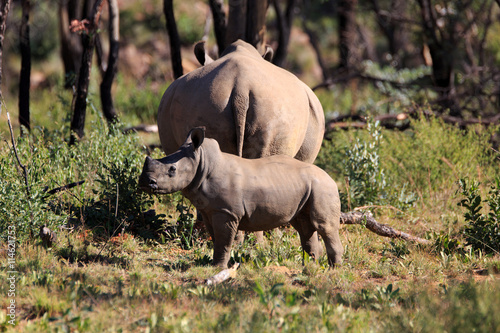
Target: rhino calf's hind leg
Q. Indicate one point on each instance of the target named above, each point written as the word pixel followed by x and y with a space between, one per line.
pixel 308 237
pixel 334 248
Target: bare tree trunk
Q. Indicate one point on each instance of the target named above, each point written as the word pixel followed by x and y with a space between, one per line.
pixel 347 32
pixel 114 46
pixel 247 21
pixel 173 35
pixel 4 12
pixel 78 121
pixel 442 50
pixel 71 44
pixel 24 79
pixel 236 21
pixel 285 26
pixel 216 6
pixel 255 33
pixel 393 30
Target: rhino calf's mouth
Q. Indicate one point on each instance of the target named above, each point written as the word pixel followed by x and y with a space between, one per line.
pixel 148 184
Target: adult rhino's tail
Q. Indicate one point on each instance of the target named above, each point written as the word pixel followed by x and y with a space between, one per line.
pixel 239 105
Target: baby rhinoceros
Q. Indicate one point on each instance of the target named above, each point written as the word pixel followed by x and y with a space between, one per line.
pixel 233 193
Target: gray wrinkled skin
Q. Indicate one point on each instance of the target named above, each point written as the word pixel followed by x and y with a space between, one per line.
pixel 234 193
pixel 250 106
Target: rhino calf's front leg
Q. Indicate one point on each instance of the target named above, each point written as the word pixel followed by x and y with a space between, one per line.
pixel 225 228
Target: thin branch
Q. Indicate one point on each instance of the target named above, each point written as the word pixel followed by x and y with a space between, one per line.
pixel 65 187
pixel 23 167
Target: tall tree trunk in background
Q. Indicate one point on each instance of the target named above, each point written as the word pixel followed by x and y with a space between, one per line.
pixel 442 50
pixel 247 21
pixel 71 44
pixel 285 28
pixel 393 29
pixel 109 75
pixel 78 121
pixel 217 8
pixel 256 24
pixel 347 32
pixel 173 36
pixel 236 20
pixel 24 79
pixel 4 12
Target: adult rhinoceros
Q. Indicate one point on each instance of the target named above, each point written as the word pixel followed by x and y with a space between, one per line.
pixel 250 106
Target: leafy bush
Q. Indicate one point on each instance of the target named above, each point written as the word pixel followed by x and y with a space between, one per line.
pixel 362 165
pixel 109 162
pixel 432 155
pixel 367 183
pixel 482 231
pixel 29 207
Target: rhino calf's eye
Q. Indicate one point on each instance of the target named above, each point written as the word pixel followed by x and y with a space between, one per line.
pixel 171 170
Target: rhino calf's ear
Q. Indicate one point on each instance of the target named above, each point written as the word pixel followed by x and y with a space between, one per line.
pixel 197 136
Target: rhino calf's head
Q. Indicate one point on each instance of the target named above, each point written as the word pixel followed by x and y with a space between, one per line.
pixel 176 171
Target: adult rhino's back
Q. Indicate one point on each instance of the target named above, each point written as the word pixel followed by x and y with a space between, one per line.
pixel 251 107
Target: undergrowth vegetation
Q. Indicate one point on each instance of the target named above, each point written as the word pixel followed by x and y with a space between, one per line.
pixel 125 260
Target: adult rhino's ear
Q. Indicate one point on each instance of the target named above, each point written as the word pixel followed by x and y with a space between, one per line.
pixel 201 54
pixel 268 53
pixel 197 136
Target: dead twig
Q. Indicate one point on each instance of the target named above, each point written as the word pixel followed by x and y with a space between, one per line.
pixel 65 187
pixel 23 167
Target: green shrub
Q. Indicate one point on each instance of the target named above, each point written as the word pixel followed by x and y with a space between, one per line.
pixel 29 207
pixel 114 162
pixel 366 178
pixel 108 161
pixel 420 163
pixel 431 155
pixel 482 231
pixel 367 183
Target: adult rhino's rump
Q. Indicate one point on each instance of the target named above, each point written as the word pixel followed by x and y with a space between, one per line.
pixel 250 106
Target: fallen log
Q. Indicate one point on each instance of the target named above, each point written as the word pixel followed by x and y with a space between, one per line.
pixel 367 219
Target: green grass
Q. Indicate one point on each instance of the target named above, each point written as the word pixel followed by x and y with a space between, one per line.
pixel 140 285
